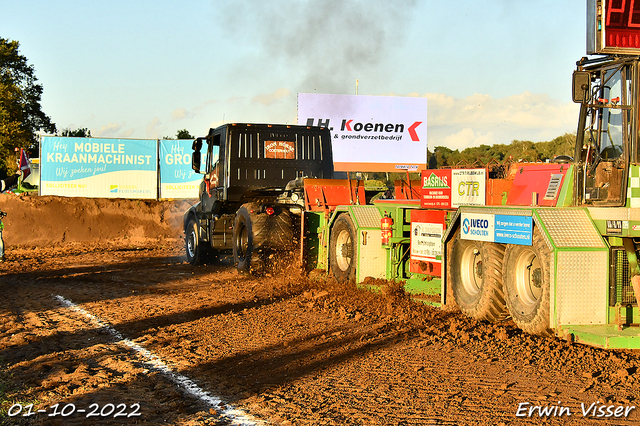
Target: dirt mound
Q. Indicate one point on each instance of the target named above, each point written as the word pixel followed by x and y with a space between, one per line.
pixel 48 221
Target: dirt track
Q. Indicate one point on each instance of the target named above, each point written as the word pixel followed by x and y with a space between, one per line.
pixel 280 349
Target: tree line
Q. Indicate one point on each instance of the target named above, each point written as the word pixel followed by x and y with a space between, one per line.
pixel 443 157
pixel 21 116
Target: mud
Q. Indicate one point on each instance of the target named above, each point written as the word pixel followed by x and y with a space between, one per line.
pixel 100 307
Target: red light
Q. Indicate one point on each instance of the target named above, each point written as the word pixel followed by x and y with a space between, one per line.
pixel 613 27
pixel 622 20
pixel 270 211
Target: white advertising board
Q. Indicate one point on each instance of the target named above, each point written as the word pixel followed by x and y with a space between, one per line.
pixel 426 241
pixel 478 227
pixel 370 133
pixel 468 187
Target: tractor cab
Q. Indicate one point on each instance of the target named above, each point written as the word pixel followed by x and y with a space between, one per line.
pixel 607 90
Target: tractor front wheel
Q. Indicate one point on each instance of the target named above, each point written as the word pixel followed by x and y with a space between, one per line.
pixel 193 245
pixel 247 239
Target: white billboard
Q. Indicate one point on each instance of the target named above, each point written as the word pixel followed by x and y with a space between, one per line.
pixel 468 187
pixel 370 133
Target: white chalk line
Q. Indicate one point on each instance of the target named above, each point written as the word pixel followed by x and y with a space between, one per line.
pixel 236 416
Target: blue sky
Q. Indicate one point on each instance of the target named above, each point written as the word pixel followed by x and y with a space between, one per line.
pixel 493 71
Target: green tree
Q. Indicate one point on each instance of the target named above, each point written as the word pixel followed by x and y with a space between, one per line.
pixel 21 116
pixel 523 150
pixel 181 134
pixel 184 134
pixel 562 145
pixel 443 157
pixel 78 133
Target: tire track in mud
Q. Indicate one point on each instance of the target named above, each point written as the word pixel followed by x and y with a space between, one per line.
pixel 398 385
pixel 284 349
pixel 223 410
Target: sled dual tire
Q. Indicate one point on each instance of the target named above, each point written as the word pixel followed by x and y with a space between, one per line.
pixel 526 276
pixel 343 249
pixel 476 278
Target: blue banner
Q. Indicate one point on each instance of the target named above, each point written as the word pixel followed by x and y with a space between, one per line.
pixel 498 228
pixel 90 167
pixel 177 178
pixel 513 229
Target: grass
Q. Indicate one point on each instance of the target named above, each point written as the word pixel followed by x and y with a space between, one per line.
pixel 9 396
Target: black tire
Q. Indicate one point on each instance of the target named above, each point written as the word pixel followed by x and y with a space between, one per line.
pixel 476 278
pixel 343 249
pixel 526 284
pixel 563 159
pixel 257 235
pixel 197 253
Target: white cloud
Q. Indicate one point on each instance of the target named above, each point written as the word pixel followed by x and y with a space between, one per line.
pixel 110 130
pixel 153 128
pixel 468 137
pixel 216 123
pixel 180 114
pixel 270 98
pixel 478 119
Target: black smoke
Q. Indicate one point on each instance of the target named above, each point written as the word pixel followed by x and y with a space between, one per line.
pixel 326 43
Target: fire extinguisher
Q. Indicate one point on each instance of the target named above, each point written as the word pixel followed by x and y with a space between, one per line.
pixel 385 228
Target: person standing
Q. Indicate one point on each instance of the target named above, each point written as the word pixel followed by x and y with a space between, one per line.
pixel 9 181
pixel 5 184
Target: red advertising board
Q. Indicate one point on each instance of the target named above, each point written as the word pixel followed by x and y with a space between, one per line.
pixel 436 189
pixel 622 19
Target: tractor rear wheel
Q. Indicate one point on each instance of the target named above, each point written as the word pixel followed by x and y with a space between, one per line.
pixel 526 276
pixel 476 278
pixel 256 235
